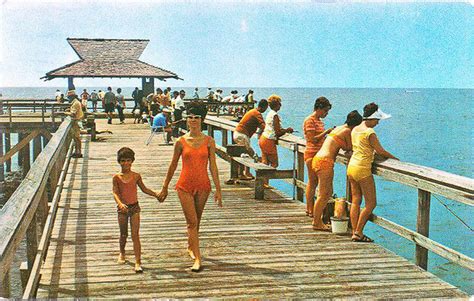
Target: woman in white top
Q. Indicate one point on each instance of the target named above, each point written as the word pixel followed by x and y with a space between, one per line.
pixel 273 130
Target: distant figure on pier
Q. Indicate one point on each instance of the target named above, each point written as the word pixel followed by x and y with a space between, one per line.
pixel 210 94
pixel 125 195
pixel 196 95
pixel 76 114
pixel 121 105
pixel 109 102
pixel 166 98
pixel 179 108
pixel 247 127
pixel 323 164
pixel 94 99
pixel 57 94
pixel 84 99
pixel 193 187
pixel 359 170
pixel 272 131
pixel 61 98
pixel 249 102
pixel 314 133
pixel 137 98
pixel 218 95
pixel 161 122
pixel 101 95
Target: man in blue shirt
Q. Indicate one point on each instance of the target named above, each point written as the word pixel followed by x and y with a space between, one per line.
pixel 160 123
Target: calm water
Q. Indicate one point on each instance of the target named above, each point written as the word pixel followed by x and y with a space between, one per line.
pixel 430 127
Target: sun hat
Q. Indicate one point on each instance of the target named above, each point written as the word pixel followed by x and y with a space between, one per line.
pixel 379 114
pixel 166 110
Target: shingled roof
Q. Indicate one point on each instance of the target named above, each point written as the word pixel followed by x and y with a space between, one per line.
pixel 109 58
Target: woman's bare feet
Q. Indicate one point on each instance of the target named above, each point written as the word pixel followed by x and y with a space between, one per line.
pixel 321 227
pixel 121 259
pixel 191 254
pixel 196 266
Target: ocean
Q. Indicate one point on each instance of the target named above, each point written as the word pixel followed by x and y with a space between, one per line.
pixel 429 127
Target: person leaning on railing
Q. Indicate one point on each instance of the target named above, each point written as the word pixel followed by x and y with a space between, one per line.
pixel 273 130
pixel 323 164
pixel 76 114
pixel 359 170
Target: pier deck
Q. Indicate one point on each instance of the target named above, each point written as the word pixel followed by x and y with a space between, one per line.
pixel 262 249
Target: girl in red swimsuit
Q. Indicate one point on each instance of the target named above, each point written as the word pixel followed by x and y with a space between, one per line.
pixel 194 187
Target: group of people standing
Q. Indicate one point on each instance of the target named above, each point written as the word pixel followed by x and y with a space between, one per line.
pixel 322 146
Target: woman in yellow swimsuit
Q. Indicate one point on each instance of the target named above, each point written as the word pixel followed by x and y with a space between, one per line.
pixel 359 170
pixel 323 164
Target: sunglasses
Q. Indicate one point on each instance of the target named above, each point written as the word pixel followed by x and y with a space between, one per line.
pixel 194 117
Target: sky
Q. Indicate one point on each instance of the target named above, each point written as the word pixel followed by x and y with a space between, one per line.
pixel 251 43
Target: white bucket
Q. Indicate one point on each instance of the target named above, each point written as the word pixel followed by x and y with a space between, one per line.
pixel 339 225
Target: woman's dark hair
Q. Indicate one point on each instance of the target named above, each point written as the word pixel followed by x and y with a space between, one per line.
pixel 125 153
pixel 370 109
pixel 197 108
pixel 353 118
pixel 321 103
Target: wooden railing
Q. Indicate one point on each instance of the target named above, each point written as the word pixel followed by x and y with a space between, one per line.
pixel 426 180
pixel 13 108
pixel 27 209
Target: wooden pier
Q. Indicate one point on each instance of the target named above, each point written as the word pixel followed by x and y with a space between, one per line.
pixel 251 248
pixel 261 249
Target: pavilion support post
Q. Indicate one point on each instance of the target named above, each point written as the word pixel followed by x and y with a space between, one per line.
pixel 148 85
pixel 225 138
pixel 70 83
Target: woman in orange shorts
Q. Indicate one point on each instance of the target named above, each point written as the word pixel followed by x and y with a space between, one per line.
pixel 272 131
pixel 323 164
pixel 193 186
pixel 314 133
pixel 359 170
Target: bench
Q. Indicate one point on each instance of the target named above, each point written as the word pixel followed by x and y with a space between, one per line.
pixel 263 173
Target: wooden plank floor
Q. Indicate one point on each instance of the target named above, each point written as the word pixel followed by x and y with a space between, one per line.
pixel 261 249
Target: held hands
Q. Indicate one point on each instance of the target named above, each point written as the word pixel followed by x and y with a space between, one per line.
pixel 218 198
pixel 163 194
pixel 156 194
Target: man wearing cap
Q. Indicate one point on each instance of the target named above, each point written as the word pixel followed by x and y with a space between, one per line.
pixel 76 114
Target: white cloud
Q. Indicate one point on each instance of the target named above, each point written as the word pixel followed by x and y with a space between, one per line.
pixel 243 26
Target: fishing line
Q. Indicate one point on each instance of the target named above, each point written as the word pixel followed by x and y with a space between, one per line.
pixel 460 219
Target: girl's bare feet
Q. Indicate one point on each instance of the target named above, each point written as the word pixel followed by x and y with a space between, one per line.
pixel 121 258
pixel 138 268
pixel 196 266
pixel 191 254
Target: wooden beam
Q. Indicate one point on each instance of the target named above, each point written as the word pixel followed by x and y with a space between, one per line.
pixel 19 146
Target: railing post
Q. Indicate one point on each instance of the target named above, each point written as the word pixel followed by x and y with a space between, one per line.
pixel 224 138
pixel 20 152
pixel 31 242
pixel 210 130
pixel 300 175
pixel 423 226
pixel 2 168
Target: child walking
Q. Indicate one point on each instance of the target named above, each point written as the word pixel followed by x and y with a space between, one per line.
pixel 125 194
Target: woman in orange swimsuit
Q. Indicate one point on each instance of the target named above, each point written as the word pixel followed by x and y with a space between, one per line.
pixel 194 187
pixel 323 164
pixel 365 144
pixel 314 133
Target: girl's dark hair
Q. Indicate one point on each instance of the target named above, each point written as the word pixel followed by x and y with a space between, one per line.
pixel 353 118
pixel 125 153
pixel 370 109
pixel 321 103
pixel 197 108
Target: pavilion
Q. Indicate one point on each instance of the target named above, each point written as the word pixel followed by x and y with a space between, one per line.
pixel 110 58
